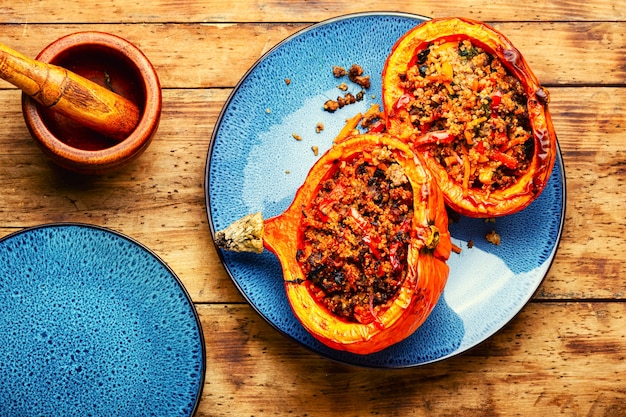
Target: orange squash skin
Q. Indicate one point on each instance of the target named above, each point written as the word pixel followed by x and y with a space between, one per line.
pixel 473 202
pixel 427 270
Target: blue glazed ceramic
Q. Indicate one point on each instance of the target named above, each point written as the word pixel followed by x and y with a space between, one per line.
pixel 255 164
pixel 94 324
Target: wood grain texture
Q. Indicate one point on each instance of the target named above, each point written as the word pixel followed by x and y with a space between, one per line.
pixel 564 354
pixel 158 200
pixel 132 11
pixel 217 56
pixel 562 359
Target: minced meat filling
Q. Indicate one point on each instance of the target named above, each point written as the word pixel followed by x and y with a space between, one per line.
pixel 459 88
pixel 355 236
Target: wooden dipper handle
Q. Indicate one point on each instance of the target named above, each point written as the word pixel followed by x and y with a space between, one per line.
pixel 76 97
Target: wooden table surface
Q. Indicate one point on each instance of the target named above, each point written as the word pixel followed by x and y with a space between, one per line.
pixel 564 354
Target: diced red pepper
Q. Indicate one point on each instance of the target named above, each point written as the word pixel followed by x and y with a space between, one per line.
pixel 480 147
pixel 370 240
pixel 323 209
pixel 326 205
pixel 377 127
pixel 506 159
pixel 393 258
pixel 496 99
pixel 434 138
pixel 403 101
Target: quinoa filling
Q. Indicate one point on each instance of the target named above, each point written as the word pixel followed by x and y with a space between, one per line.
pixel 355 236
pixel 459 88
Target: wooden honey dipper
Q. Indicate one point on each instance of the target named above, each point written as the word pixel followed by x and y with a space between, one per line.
pixel 72 95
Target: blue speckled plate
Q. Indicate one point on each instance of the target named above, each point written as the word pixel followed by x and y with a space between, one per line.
pixel 94 324
pixel 255 164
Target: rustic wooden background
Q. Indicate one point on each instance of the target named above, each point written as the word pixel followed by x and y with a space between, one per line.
pixel 564 353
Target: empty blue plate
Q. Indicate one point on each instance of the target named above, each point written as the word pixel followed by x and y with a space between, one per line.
pixel 262 150
pixel 94 324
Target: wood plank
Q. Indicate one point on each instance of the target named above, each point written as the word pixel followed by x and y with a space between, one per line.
pixel 159 199
pixel 214 55
pixel 590 125
pixel 562 355
pixel 571 363
pixel 125 11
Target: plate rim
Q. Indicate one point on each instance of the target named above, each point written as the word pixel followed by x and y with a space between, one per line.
pixel 147 250
pixel 559 164
pixel 263 56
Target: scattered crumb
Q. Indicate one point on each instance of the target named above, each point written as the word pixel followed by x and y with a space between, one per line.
pixel 319 127
pixel 338 71
pixel 490 220
pixel 356 76
pixel 331 106
pixel 343 87
pixel 287 172
pixel 315 150
pixel 296 136
pixel 287 81
pixel 493 237
pixel 268 110
pixel 470 244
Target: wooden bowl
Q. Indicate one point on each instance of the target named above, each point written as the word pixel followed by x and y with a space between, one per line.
pixel 113 63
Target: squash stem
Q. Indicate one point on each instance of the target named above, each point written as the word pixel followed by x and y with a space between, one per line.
pixel 244 235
